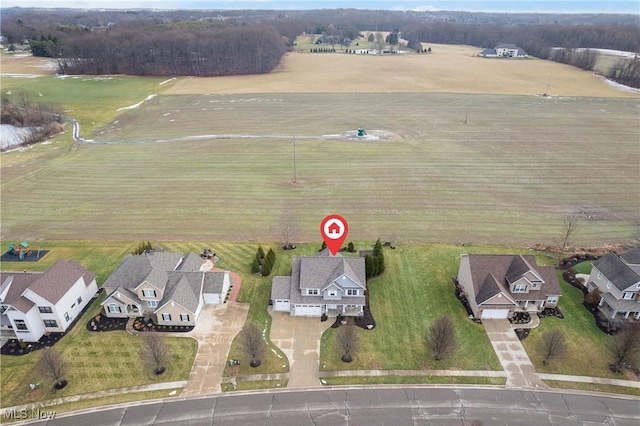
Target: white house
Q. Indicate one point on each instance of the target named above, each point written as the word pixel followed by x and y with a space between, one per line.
pixel 322 284
pixel 33 304
pixel 504 50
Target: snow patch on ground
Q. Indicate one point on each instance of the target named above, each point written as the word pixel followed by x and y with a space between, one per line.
pixel 166 81
pixel 21 75
pixel 12 136
pixel 134 106
pixel 621 87
pixel 622 53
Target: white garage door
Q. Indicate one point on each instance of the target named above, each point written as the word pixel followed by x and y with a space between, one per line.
pixel 281 305
pixel 308 310
pixel 211 299
pixel 495 313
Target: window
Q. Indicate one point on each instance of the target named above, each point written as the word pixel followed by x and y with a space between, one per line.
pixel 149 293
pixel 552 299
pixel 333 293
pixel 45 309
pixel 184 317
pixel 79 300
pixel 166 317
pixel 50 323
pixel 114 309
pixel 627 296
pixel 67 317
pixel 152 303
pixel 520 288
pixel 312 291
pixel 3 308
pixel 352 292
pixel 599 275
pixel 608 284
pixel 20 325
pixel 73 306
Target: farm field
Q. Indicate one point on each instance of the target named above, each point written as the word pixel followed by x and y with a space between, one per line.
pixel 508 176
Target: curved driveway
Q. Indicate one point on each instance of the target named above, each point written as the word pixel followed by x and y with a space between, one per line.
pixel 406 405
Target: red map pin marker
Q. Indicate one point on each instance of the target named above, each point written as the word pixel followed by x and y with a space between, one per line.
pixel 333 229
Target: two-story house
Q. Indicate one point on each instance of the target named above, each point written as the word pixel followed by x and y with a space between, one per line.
pixel 33 304
pixel 618 279
pixel 169 288
pixel 322 284
pixel 504 50
pixel 497 286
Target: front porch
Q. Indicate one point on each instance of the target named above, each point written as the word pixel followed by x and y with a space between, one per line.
pixel 529 306
pixel 347 311
pixel 619 309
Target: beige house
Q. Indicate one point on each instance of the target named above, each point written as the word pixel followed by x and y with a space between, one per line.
pixel 169 288
pixel 497 286
pixel 618 279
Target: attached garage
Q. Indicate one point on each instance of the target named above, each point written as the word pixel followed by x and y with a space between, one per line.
pixel 308 310
pixel 495 314
pixel 281 305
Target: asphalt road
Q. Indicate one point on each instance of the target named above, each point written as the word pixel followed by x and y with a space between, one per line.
pixel 411 405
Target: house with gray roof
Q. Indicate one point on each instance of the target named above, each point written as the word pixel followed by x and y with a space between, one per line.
pixel 504 50
pixel 169 288
pixel 35 303
pixel 618 279
pixel 322 284
pixel 497 286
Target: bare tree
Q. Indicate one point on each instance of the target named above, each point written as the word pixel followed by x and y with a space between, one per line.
pixel 52 365
pixel 625 347
pixel 287 228
pixel 441 337
pixel 348 341
pixel 379 42
pixel 155 352
pixel 553 345
pixel 569 225
pixel 252 343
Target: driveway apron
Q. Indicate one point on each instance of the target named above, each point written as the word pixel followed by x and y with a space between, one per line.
pixel 299 339
pixel 215 329
pixel 514 359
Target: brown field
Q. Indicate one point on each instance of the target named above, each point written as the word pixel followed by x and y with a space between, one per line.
pixel 21 63
pixel 448 69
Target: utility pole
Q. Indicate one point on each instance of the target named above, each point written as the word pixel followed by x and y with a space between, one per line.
pixel 295 172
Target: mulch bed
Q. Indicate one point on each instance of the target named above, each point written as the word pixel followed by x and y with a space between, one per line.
pixel 463 299
pixel 551 312
pixel 520 318
pixel 104 323
pixel 522 333
pixel 33 257
pixel 13 347
pixel 142 324
pixel 366 321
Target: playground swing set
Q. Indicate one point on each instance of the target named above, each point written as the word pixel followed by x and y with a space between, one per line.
pixel 21 250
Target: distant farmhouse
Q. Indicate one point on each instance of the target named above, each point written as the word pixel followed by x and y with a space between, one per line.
pixel 169 288
pixel 321 284
pixel 618 279
pixel 497 286
pixel 34 303
pixel 504 50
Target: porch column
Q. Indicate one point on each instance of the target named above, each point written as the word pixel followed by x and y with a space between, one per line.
pixel 637 315
pixel 627 315
pixel 601 301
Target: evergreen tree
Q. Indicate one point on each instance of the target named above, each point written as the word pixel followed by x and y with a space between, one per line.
pixel 267 265
pixel 369 266
pixel 260 253
pixel 271 255
pixel 351 248
pixel 255 266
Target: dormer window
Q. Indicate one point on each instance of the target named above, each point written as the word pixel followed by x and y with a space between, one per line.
pixel 149 293
pixel 519 288
pixel 332 293
pixel 312 292
pixel 352 292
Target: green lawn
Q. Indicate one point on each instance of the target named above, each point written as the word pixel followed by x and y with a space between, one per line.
pixel 586 344
pixel 97 361
pixel 406 380
pixel 415 289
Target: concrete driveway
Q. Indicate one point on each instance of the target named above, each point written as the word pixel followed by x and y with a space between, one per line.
pixel 512 356
pixel 216 328
pixel 299 339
